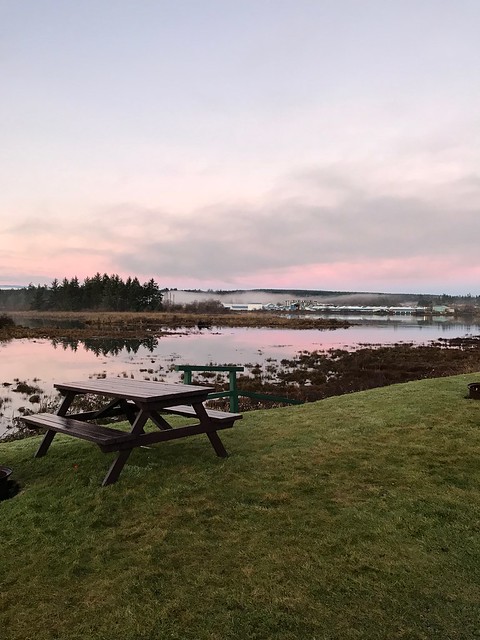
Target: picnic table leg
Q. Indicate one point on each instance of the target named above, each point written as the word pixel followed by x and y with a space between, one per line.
pixel 46 442
pixel 48 437
pixel 116 467
pixel 213 436
pixel 217 444
pixel 122 457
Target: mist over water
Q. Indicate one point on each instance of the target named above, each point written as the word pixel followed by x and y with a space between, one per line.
pixel 266 297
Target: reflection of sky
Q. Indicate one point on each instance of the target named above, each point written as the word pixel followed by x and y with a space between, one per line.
pixel 39 359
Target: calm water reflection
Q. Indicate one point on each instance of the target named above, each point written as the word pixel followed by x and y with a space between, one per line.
pixel 43 362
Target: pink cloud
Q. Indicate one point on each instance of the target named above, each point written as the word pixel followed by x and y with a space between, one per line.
pixel 407 274
pixel 418 274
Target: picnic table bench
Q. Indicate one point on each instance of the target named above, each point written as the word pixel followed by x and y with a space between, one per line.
pixel 138 402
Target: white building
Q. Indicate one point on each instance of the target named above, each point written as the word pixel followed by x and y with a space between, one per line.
pixel 243 306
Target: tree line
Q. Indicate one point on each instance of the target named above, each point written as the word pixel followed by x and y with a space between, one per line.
pixel 99 293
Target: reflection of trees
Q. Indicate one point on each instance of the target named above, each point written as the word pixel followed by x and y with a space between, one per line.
pixel 107 346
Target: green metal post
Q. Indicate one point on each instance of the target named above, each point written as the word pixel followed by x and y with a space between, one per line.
pixel 233 392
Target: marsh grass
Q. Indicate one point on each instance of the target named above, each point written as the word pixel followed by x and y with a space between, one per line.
pixel 117 324
pixel 354 517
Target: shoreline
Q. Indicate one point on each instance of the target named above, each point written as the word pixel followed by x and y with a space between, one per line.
pixel 118 324
pixel 305 375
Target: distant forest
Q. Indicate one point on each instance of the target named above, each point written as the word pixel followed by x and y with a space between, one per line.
pixel 112 293
pixel 100 293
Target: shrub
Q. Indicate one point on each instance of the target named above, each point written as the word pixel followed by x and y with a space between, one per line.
pixel 6 321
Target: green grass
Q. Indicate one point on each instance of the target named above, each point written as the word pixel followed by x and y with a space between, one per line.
pixel 357 517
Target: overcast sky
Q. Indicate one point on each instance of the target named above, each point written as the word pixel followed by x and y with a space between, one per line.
pixel 324 144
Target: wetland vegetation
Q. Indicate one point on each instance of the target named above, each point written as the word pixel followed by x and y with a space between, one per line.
pixel 108 324
pixel 305 375
pixel 313 375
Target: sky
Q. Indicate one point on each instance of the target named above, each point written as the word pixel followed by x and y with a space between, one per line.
pixel 237 144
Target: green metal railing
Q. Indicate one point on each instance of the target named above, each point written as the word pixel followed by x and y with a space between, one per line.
pixel 233 391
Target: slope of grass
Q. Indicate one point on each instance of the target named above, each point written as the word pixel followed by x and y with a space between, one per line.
pixel 354 517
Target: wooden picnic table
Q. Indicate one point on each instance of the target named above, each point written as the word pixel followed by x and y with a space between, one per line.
pixel 137 401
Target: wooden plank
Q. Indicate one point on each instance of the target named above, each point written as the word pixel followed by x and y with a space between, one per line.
pixel 213 414
pixel 136 390
pixel 83 430
pixel 153 437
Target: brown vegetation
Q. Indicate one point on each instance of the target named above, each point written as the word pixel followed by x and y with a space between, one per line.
pixel 143 324
pixel 313 375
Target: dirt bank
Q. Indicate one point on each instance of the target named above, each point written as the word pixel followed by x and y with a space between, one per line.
pixel 140 325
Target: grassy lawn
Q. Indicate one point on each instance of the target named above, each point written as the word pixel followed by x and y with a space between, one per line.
pixel 354 517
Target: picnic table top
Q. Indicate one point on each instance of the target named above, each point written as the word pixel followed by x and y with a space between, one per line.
pixel 136 390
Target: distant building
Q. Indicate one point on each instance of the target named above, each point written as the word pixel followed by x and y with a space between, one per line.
pixel 442 309
pixel 247 306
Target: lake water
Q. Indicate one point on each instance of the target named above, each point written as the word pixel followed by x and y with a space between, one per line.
pixel 43 362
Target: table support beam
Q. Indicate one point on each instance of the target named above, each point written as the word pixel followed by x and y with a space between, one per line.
pixel 217 444
pixel 116 467
pixel 44 445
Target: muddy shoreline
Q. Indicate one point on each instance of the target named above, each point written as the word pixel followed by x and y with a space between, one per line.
pixel 143 325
